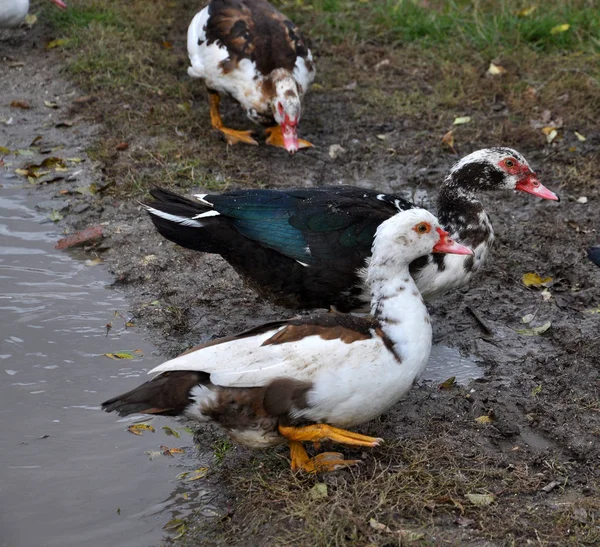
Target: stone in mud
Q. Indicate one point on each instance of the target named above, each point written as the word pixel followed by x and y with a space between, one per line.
pixel 59 205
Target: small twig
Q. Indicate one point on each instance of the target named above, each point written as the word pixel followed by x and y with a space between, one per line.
pixel 484 326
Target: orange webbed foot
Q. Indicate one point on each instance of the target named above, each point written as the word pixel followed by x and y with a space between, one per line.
pixel 321 432
pixel 322 463
pixel 275 138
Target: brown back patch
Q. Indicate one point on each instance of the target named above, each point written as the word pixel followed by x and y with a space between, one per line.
pixel 328 326
pixel 283 394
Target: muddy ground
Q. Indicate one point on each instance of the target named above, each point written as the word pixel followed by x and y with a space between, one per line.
pixel 539 455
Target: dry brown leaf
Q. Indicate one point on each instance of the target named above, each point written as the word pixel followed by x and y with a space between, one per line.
pixel 20 104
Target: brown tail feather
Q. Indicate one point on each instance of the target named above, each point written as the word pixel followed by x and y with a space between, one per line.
pixel 167 395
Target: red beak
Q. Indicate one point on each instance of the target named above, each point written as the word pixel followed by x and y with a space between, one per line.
pixel 290 137
pixel 533 186
pixel 448 245
pixel 59 3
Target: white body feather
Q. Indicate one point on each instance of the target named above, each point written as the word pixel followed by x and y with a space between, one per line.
pixel 12 12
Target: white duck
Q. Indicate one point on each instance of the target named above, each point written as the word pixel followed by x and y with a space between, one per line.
pixel 251 51
pixel 12 12
pixel 305 378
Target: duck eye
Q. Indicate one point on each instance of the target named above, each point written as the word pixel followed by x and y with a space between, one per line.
pixel 423 228
pixel 509 163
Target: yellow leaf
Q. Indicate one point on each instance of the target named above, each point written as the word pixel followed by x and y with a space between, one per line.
pixel 22 172
pixel 461 120
pixel 137 429
pixel 196 475
pixel 170 431
pixel 30 19
pixel 170 451
pixel 495 69
pixel 534 280
pixel 526 12
pixel 57 43
pixel 580 137
pixel 50 104
pixel 119 355
pixel 448 384
pixel 560 28
pixel 483 420
pixel 4 151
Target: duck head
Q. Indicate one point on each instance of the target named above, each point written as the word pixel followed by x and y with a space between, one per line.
pixel 497 168
pixel 286 110
pixel 59 3
pixel 417 232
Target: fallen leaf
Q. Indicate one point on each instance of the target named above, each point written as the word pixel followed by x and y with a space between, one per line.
pixel 546 295
pixel 336 150
pixel 30 19
pixel 447 384
pixel 152 454
pixel 83 237
pixel 496 70
pixel 185 107
pixel 526 12
pixel 535 331
pixel 582 199
pixel 167 45
pixel 60 42
pixel 448 140
pixel 166 451
pixel 20 104
pixel 23 152
pixel 484 419
pixel 461 120
pixel 536 390
pixel 534 280
pixel 4 151
pixel 50 104
pixel 148 259
pixel 36 140
pixel 64 123
pixel 53 163
pixel 551 136
pixel 138 429
pixel 55 216
pixel 122 146
pixel 173 524
pixel 318 491
pixel 481 500
pixel 379 526
pixel 196 475
pixel 528 318
pixel 169 431
pixel 119 355
pixel 93 262
pixel 579 136
pixel 560 28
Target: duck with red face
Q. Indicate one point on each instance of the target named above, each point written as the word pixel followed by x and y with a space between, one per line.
pixel 250 51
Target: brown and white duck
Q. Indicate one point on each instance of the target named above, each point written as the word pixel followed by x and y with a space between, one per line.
pixel 304 379
pixel 307 247
pixel 251 51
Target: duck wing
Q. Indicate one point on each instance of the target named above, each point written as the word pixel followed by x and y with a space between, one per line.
pixel 296 349
pixel 255 30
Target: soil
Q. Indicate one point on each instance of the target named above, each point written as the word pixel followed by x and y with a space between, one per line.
pixel 538 455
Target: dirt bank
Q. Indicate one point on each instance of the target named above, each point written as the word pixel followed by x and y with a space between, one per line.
pixel 538 455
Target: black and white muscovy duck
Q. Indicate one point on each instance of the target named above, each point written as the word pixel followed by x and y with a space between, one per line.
pixel 303 379
pixel 251 51
pixel 13 12
pixel 307 248
pixel 594 255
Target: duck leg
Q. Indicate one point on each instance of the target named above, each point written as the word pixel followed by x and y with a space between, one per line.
pixel 323 432
pixel 232 136
pixel 327 461
pixel 275 138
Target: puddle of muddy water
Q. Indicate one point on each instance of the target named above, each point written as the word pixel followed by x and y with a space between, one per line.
pixel 445 362
pixel 70 473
